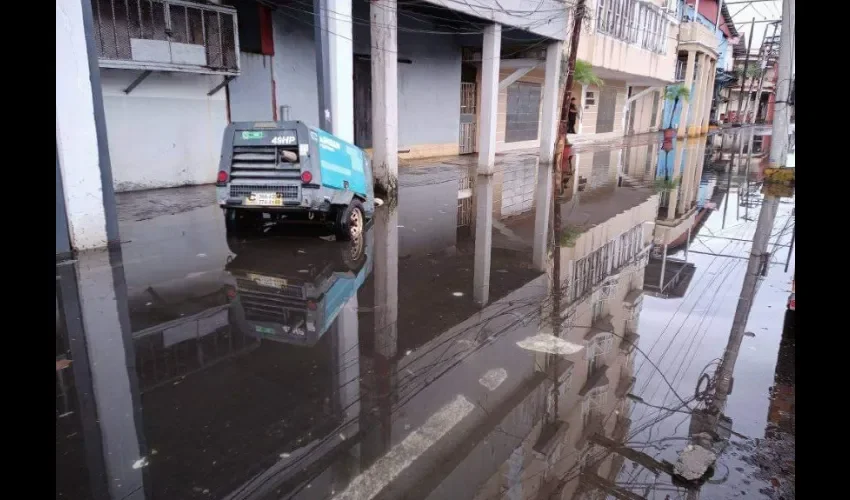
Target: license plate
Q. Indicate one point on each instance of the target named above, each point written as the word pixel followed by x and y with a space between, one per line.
pixel 269 281
pixel 265 199
pixel 263 329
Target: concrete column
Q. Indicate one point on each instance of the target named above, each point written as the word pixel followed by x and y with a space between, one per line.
pixel 705 94
pixel 542 209
pixel 348 365
pixel 82 149
pixel 710 95
pixel 386 282
pixel 688 84
pixel 696 108
pixel 341 56
pixel 93 297
pixel 483 239
pixel 677 171
pixel 549 116
pixel 384 24
pixel 489 98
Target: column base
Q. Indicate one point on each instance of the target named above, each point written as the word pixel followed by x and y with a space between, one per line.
pixel 694 131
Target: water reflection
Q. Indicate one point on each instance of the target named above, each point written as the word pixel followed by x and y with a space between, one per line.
pixel 428 359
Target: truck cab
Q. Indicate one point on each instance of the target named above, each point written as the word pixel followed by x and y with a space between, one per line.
pixel 287 171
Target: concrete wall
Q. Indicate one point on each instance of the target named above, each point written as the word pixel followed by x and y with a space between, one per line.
pixel 295 65
pixel 165 133
pixel 603 51
pixel 641 108
pixel 251 94
pixel 428 86
pixel 590 112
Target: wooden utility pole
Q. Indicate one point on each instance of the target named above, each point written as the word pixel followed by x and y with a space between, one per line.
pixel 578 18
pixel 556 205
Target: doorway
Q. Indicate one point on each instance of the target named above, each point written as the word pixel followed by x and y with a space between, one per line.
pixel 606 109
pixel 468 110
pixel 362 102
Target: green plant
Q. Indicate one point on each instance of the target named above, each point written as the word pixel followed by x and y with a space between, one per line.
pixel 584 74
pixel 662 185
pixel 569 236
pixel 676 93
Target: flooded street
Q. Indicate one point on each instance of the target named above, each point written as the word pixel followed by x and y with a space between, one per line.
pixel 461 348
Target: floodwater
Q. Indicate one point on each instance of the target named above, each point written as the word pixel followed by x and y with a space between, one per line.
pixel 424 359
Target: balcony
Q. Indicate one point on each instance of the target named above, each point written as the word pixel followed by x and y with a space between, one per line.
pixel 166 35
pixel 693 33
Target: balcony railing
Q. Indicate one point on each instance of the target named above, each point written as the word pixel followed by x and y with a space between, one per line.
pixel 166 35
pixel 696 33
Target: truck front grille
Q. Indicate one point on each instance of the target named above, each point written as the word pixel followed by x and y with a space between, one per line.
pixel 245 190
pixel 264 163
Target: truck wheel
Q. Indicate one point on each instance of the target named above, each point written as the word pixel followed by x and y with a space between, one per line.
pixel 350 221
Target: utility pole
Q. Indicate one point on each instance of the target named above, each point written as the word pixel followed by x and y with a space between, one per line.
pixel 779 139
pixel 578 16
pixel 744 72
pixel 764 60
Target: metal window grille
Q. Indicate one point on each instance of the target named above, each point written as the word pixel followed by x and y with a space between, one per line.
pixel 594 401
pixel 167 35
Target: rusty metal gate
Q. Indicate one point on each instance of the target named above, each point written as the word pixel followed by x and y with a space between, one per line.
pixel 606 109
pixel 467 117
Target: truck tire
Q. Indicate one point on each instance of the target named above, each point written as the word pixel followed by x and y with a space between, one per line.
pixel 350 221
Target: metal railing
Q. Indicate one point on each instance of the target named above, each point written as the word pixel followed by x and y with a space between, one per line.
pixel 166 35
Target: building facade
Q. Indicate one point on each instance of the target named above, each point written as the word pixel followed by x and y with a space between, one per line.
pixel 175 73
pixel 631 47
pixel 705 34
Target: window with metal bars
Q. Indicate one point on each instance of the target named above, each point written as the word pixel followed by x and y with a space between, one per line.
pixel 166 35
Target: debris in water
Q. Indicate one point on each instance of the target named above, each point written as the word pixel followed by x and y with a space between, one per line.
pixel 550 344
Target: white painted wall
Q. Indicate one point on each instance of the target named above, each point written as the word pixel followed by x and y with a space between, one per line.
pixel 165 133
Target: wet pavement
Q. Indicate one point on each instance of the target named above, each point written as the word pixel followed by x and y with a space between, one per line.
pixel 423 359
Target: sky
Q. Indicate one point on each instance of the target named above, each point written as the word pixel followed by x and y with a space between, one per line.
pixel 742 14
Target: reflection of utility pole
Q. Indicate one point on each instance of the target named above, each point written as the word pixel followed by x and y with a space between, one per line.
pixel 710 428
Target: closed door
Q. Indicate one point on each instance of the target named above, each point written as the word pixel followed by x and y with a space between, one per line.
pixel 363 103
pixel 607 105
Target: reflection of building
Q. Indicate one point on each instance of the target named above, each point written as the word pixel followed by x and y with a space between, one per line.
pixel 603 255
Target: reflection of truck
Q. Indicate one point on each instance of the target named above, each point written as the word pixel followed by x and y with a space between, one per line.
pixel 292 291
pixel 284 171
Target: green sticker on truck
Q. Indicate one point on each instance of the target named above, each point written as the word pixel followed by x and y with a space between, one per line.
pixel 252 134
